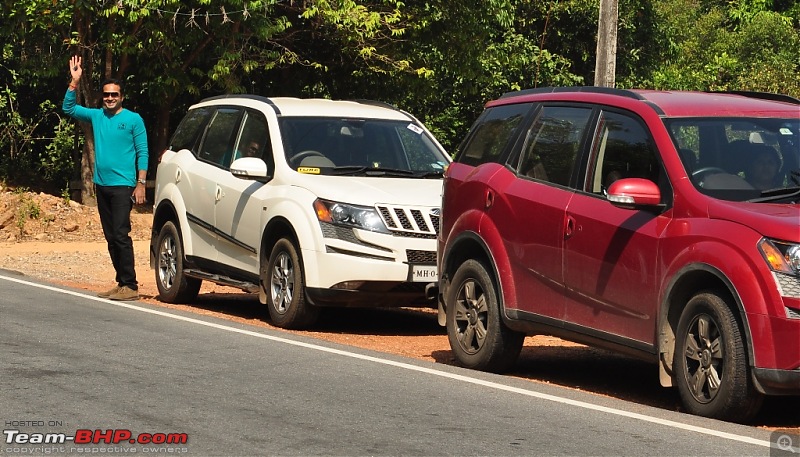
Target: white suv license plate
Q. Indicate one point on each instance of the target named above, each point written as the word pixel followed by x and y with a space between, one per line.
pixel 424 273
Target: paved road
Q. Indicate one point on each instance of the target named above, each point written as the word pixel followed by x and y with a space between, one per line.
pixel 73 364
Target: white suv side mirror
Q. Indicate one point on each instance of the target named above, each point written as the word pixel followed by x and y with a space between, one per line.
pixel 249 168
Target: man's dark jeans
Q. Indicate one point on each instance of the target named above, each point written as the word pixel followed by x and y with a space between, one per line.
pixel 114 205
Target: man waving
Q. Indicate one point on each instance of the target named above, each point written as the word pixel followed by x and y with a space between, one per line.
pixel 120 173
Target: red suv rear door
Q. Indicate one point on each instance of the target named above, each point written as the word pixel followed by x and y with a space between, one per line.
pixel 538 198
pixel 532 228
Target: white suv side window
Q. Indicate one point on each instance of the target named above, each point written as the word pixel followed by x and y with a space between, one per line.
pixel 253 139
pixel 217 145
pixel 190 129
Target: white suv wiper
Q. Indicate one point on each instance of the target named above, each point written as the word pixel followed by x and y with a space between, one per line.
pixel 371 171
pixel 429 174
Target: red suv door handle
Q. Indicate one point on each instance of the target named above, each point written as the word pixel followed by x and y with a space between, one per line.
pixel 569 226
pixel 489 199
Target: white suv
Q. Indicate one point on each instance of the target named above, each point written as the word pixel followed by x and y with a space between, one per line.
pixel 309 202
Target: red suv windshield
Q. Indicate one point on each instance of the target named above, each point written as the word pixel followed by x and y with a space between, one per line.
pixel 739 158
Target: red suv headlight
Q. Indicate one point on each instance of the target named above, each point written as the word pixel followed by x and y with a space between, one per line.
pixel 781 257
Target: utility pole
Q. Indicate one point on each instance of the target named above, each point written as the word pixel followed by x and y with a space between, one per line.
pixel 606 55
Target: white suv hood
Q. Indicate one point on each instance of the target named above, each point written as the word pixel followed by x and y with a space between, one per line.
pixel 369 191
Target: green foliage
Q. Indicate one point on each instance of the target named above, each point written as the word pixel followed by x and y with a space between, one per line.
pixel 27 208
pixel 57 164
pixel 767 68
pixel 16 131
pixel 729 49
pixel 441 60
pixel 31 156
pixel 65 194
pixel 744 11
pixel 464 56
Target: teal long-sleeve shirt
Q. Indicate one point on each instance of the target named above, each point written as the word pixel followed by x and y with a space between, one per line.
pixel 120 142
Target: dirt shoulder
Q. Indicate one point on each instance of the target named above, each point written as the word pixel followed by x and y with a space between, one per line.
pixel 64 245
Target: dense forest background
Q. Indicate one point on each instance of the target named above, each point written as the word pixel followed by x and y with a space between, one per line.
pixel 441 60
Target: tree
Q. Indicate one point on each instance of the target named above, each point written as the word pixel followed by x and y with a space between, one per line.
pixel 462 54
pixel 606 55
pixel 34 138
pixel 729 47
pixel 168 51
pixel 438 59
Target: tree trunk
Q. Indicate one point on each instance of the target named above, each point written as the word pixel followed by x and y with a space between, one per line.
pixel 88 196
pixel 162 131
pixel 606 54
pixel 86 94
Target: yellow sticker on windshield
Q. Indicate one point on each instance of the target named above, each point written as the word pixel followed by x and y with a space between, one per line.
pixel 308 170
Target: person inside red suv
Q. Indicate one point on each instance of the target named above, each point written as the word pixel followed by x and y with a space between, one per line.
pixel 764 167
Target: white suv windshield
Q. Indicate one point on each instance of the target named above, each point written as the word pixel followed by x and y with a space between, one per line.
pixel 370 146
pixel 740 159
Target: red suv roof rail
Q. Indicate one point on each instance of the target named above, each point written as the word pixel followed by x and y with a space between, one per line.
pixel 760 95
pixel 592 89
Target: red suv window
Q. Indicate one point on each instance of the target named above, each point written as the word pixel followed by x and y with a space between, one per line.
pixel 553 142
pixel 490 137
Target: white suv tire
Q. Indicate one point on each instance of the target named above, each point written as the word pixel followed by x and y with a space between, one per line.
pixel 173 284
pixel 284 286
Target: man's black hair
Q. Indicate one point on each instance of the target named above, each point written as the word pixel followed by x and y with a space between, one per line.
pixel 113 81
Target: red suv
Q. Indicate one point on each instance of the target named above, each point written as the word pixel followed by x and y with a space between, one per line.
pixel 664 225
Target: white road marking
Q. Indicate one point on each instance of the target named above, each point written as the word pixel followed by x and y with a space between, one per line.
pixel 431 371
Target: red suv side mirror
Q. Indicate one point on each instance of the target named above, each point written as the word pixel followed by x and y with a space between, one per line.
pixel 630 193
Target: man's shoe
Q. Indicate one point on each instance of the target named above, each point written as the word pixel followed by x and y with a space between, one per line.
pixel 125 293
pixel 109 292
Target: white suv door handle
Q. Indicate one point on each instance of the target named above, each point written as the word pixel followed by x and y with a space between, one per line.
pixel 218 194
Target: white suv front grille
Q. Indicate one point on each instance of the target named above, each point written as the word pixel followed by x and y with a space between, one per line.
pixel 409 221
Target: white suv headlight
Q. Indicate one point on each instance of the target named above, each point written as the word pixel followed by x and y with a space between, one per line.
pixel 343 214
